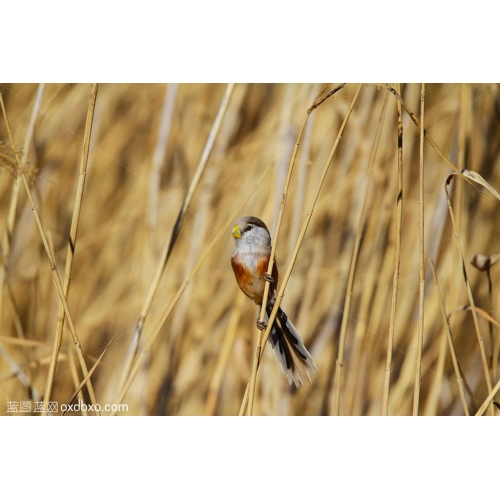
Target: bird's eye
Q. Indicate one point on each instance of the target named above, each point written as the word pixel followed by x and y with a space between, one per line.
pixel 248 227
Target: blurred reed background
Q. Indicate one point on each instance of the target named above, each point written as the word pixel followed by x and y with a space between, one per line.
pixel 146 144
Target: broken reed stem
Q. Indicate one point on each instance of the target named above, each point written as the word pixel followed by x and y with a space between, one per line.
pixel 70 253
pixel 286 277
pixel 169 244
pixel 397 263
pixel 446 324
pixel 419 125
pixel 50 257
pixel 420 335
pixel 339 365
pixel 142 355
pixel 469 291
pixel 255 366
pixel 321 99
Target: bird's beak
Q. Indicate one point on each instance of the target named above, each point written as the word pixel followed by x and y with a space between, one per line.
pixel 236 231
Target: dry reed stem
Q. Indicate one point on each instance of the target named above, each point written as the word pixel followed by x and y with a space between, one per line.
pixel 397 263
pixel 320 99
pixel 480 311
pixel 495 347
pixel 37 363
pixel 436 383
pixel 459 192
pixel 490 325
pixel 114 232
pixel 488 400
pixel 89 374
pixel 367 308
pixel 451 345
pixel 469 291
pixel 50 257
pixel 469 175
pixel 301 183
pixel 474 176
pixel 11 216
pixel 160 150
pixel 32 391
pixel 420 335
pixel 352 266
pixel 416 121
pixel 483 263
pixel 74 373
pixel 419 125
pixel 16 369
pixel 255 366
pixel 281 293
pixel 140 359
pixel 70 253
pixel 227 345
pixel 169 244
pixel 21 341
pixel 10 292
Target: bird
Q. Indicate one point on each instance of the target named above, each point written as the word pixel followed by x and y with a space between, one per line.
pixel 250 262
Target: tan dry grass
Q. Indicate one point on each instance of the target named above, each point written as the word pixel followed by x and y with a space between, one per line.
pixel 118 249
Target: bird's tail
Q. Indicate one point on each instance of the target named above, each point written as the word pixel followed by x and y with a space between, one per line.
pixel 289 349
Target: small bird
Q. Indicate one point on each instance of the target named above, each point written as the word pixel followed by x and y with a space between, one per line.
pixel 250 261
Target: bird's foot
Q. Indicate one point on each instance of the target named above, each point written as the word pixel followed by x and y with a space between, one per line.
pixel 269 278
pixel 261 325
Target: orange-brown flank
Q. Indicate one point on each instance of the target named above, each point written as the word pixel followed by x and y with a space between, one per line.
pixel 254 288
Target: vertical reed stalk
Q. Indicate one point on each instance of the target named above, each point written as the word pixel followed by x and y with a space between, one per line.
pixel 286 277
pixel 160 150
pixel 488 400
pixel 11 219
pixel 490 311
pixel 70 253
pixel 495 345
pixel 255 365
pixel 469 291
pixel 397 263
pixel 169 244
pixel 50 258
pixel 420 336
pixel 352 267
pixel 227 345
pixel 142 355
pixel 456 367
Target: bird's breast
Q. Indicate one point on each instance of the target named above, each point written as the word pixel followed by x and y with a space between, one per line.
pixel 249 270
